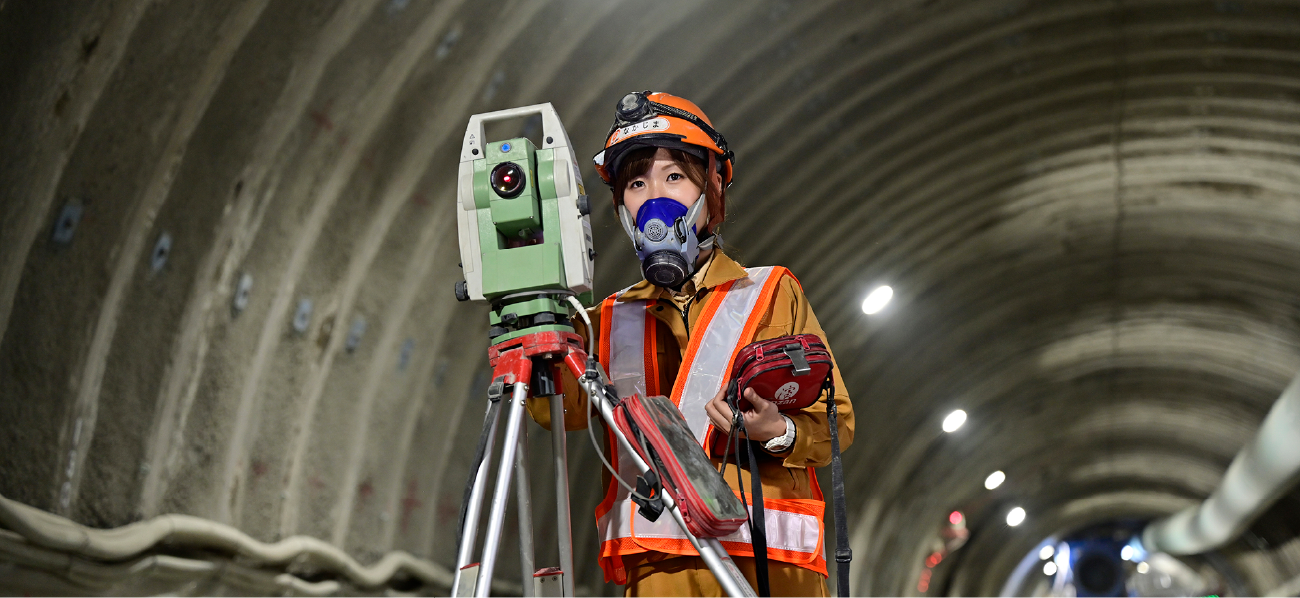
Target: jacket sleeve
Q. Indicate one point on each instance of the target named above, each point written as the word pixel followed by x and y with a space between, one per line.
pixel 790 313
pixel 575 401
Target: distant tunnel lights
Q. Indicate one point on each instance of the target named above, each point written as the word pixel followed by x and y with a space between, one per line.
pixel 1015 516
pixel 995 479
pixel 877 299
pixel 954 421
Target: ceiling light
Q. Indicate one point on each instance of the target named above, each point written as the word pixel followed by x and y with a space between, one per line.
pixel 1126 553
pixel 1049 568
pixel 1015 516
pixel 1143 568
pixel 1046 552
pixel 877 299
pixel 954 420
pixel 995 479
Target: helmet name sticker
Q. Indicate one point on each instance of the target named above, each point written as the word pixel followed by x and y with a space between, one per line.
pixel 786 392
pixel 645 126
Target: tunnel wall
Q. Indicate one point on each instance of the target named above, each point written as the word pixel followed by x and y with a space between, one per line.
pixel 1088 209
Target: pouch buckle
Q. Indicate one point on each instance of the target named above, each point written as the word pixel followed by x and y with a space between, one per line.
pixel 798 359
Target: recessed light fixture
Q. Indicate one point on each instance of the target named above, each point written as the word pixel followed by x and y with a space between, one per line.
pixel 954 421
pixel 1015 516
pixel 995 479
pixel 1046 552
pixel 1049 568
pixel 877 299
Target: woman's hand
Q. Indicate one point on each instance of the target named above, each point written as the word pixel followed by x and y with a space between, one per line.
pixel 762 423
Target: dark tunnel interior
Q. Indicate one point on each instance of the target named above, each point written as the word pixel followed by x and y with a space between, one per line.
pixel 228 245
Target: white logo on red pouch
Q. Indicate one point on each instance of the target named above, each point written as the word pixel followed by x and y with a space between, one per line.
pixel 645 126
pixel 786 392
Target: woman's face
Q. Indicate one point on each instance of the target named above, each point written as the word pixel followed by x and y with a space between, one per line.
pixel 664 179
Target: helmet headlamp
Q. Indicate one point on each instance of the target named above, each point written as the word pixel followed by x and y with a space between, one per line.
pixel 634 107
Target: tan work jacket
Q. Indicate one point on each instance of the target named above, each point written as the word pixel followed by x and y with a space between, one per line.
pixel 784 474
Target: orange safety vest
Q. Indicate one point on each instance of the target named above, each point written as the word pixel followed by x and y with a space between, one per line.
pixel 728 322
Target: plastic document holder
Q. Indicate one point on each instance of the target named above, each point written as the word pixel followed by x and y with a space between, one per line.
pixel 660 435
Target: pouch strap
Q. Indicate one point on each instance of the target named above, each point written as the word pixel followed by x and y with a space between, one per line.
pixel 843 554
pixel 757 521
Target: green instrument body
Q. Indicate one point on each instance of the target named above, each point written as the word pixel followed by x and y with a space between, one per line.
pixel 523 253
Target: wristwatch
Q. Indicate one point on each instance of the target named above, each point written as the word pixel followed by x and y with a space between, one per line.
pixel 784 441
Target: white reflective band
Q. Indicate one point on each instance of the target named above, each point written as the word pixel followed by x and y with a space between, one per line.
pixel 617 523
pixel 796 532
pixel 627 347
pixel 720 342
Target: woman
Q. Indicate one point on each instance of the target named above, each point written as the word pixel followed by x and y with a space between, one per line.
pixel 674 334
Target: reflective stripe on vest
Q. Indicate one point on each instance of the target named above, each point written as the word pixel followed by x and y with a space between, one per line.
pixel 727 323
pixel 719 335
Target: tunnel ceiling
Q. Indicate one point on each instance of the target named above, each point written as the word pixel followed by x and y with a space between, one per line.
pixel 228 246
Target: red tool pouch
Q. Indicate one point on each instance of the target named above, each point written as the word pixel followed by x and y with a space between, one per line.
pixel 787 370
pixel 659 434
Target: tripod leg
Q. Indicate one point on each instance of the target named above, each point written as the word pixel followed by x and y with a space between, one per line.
pixel 474 506
pixel 501 495
pixel 564 529
pixel 524 505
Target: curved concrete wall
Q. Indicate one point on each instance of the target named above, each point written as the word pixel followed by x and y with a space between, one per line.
pixel 1088 210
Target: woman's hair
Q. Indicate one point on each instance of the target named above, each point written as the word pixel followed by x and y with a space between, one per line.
pixel 637 162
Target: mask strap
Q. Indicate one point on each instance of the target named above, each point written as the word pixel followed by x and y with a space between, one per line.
pixel 629 225
pixel 693 214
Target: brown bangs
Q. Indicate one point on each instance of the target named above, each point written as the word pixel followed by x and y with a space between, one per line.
pixel 637 163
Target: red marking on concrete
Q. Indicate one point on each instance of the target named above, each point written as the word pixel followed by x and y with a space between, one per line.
pixel 322 118
pixel 449 508
pixel 259 469
pixel 410 503
pixel 364 491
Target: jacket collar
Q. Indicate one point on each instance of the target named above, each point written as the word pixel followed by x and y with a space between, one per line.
pixel 721 270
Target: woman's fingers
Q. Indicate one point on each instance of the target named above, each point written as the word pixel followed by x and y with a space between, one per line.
pixel 719 413
pixel 764 421
pixel 760 404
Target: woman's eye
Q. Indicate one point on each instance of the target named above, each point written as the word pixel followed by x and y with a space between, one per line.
pixel 636 184
pixel 676 176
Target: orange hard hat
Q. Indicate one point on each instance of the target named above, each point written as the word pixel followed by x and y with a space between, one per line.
pixel 657 119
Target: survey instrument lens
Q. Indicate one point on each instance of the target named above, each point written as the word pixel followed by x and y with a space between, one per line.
pixel 507 179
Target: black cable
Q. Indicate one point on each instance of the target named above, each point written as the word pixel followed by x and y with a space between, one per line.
pixel 490 417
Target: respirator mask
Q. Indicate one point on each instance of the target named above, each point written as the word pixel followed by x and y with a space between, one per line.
pixel 663 233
